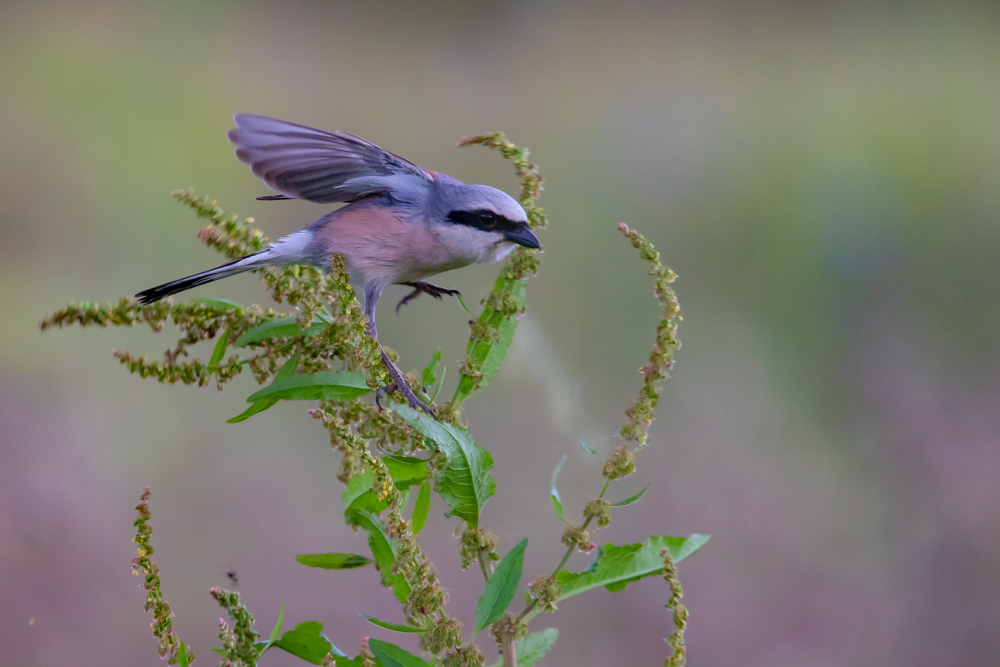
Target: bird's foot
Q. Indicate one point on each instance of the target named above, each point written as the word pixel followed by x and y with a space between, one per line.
pixel 399 384
pixel 407 393
pixel 420 287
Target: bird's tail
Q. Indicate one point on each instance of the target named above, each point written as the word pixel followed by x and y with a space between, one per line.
pixel 248 263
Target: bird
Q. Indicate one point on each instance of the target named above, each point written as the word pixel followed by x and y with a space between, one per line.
pixel 401 223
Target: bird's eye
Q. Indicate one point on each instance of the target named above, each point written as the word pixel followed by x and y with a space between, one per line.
pixel 487 220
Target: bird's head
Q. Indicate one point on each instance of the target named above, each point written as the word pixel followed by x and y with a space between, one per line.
pixel 479 220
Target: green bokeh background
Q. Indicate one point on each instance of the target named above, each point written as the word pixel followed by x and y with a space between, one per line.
pixel 824 177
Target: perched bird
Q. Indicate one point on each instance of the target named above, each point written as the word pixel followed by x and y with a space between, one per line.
pixel 402 223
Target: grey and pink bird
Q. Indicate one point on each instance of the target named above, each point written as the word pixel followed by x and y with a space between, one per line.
pixel 401 224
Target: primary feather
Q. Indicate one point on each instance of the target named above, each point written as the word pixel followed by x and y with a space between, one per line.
pixel 323 167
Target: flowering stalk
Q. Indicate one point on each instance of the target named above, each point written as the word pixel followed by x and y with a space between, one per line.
pixel 678 652
pixel 238 641
pixel 494 329
pixel 170 646
pixel 545 590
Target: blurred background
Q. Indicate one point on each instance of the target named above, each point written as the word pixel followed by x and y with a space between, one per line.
pixel 824 178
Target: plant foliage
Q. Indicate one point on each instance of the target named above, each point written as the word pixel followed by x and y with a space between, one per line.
pixel 321 353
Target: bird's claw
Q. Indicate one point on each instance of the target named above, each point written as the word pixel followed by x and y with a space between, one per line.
pixel 420 287
pixel 407 393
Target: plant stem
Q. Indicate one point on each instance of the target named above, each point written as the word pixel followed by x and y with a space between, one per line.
pixel 569 552
pixel 507 649
pixel 485 564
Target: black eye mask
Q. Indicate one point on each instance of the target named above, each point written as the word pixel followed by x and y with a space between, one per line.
pixel 484 219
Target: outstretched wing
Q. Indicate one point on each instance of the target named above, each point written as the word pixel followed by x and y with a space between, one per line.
pixel 301 162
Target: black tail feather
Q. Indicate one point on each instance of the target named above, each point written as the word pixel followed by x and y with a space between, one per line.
pixel 154 294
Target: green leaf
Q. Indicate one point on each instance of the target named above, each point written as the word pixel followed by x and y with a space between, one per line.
pixel 432 379
pixel 275 631
pixel 465 482
pixel 487 356
pixel 356 487
pixel 395 627
pixel 532 648
pixel 308 642
pixel 258 406
pixel 384 551
pixel 429 377
pixel 632 499
pixel 393 656
pixel 333 561
pixel 422 507
pixel 617 566
pixel 325 385
pixel 287 370
pixel 183 659
pixel 220 350
pixel 501 588
pixel 405 470
pixel 440 384
pixel 358 494
pixel 498 350
pixel 464 307
pixel 220 305
pixel 588 448
pixel 556 501
pixel 282 327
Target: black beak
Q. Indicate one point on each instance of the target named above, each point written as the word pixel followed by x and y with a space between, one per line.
pixel 523 236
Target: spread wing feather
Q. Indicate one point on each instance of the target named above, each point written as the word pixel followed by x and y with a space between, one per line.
pixel 324 167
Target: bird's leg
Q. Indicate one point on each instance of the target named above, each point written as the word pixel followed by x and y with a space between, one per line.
pixel 426 288
pixel 372 293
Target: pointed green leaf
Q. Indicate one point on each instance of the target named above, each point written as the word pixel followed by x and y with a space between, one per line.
pixel 282 327
pixel 405 470
pixel 220 350
pixel 325 385
pixel 487 356
pixel 308 642
pixel 333 561
pixel 422 507
pixel 183 659
pixel 429 377
pixel 465 482
pixel 395 627
pixel 501 588
pixel 616 566
pixel 357 485
pixel 359 494
pixel 258 406
pixel 287 370
pixel 588 448
pixel 556 501
pixel 384 551
pixel 219 305
pixel 461 302
pixel 632 499
pixel 275 632
pixel 393 656
pixel 439 385
pixel 532 648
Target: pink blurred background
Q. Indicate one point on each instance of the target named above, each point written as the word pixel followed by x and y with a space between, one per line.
pixel 824 177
